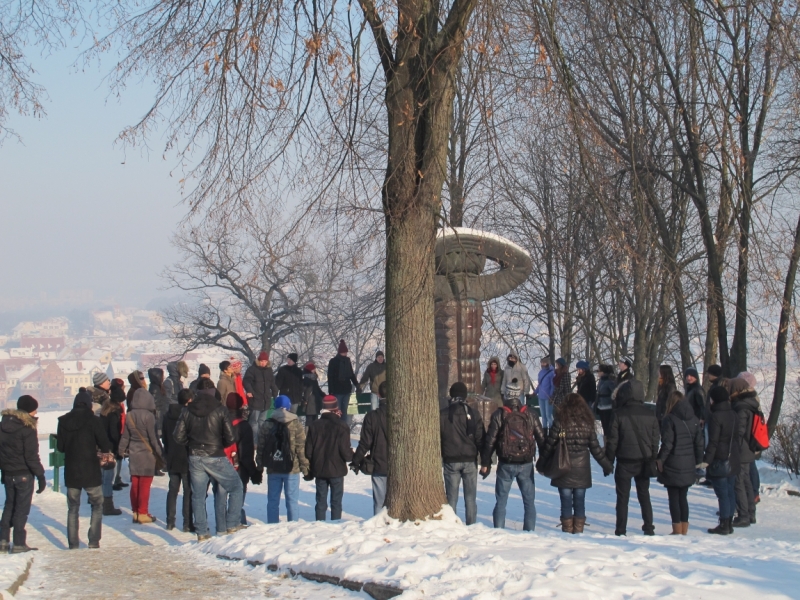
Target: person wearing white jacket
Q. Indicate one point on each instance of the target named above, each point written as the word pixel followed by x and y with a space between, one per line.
pixel 515 370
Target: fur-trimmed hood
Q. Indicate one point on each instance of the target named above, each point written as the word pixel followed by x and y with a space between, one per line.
pixel 108 407
pixel 13 419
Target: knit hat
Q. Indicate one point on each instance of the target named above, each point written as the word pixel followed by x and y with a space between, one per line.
pixel 342 347
pixel 83 399
pixel 719 394
pixel 234 401
pixel 99 378
pixel 748 377
pixel 310 367
pixel 292 356
pixel 379 353
pixel 458 390
pixel 582 364
pixel 263 355
pixel 329 403
pixel 561 362
pixel 691 371
pixel 627 361
pixel 285 403
pixel 203 370
pixel 27 404
pixel 118 382
pixel 117 394
pixel 714 371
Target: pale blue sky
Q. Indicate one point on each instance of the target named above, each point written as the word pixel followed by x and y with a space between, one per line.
pixel 79 212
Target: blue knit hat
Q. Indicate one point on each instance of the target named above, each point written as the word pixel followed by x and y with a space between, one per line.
pixel 582 364
pixel 283 402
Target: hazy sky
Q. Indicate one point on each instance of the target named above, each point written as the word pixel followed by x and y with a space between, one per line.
pixel 81 215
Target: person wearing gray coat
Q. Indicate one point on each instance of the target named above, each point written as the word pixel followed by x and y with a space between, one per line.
pixel 515 370
pixel 141 444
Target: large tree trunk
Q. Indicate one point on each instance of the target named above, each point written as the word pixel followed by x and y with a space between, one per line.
pixel 783 334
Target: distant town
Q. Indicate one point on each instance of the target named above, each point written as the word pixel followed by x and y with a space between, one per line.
pixel 46 359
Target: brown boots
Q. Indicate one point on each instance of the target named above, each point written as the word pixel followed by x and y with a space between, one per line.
pixel 573 524
pixel 578 524
pixel 680 528
pixel 567 525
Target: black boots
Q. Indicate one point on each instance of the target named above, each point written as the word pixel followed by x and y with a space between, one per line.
pixel 724 527
pixel 108 507
pixel 741 522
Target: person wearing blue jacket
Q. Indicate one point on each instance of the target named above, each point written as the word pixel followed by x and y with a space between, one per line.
pixel 545 391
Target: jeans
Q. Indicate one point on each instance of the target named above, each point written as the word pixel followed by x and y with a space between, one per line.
pixel 290 485
pixel 454 473
pixel 140 494
pixel 220 508
pixel 745 496
pixel 546 410
pixel 118 471
pixel 378 493
pixel 506 474
pixel 344 403
pixel 176 482
pixel 725 489
pixel 623 484
pixel 336 486
pixel 73 508
pixel 573 502
pixel 19 494
pixel 203 469
pixel 108 482
pixel 755 478
pixel 678 504
pixel 256 420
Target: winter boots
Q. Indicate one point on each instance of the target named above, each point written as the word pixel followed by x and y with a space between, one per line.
pixel 4 545
pixel 677 529
pixel 567 525
pixel 741 522
pixel 578 524
pixel 17 549
pixel 108 507
pixel 724 527
pixel 144 518
pixel 685 528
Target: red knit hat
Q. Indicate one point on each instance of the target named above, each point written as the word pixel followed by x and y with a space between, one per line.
pixel 330 403
pixel 343 347
pixel 310 367
pixel 263 355
pixel 234 401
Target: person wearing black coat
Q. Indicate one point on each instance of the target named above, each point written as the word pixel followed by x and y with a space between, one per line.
pixel 244 463
pixel 312 393
pixel 341 378
pixel 80 433
pixel 745 404
pixel 574 422
pixel 605 390
pixel 509 467
pixel 20 464
pixel 289 380
pixel 111 417
pixel 259 385
pixel 681 450
pixel 633 442
pixel 723 445
pixel 328 452
pixel 694 393
pixel 374 442
pixel 177 464
pixel 585 383
pixel 461 432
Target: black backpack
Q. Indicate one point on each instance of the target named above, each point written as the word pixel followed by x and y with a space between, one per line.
pixel 517 443
pixel 277 452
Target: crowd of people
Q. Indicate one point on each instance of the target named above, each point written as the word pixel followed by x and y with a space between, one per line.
pixel 225 435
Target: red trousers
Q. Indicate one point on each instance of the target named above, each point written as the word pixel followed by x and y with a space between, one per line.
pixel 140 493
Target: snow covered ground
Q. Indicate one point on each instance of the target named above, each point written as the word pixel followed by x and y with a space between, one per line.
pixel 441 559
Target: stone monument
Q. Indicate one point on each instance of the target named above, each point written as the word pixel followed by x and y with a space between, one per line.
pixel 461 287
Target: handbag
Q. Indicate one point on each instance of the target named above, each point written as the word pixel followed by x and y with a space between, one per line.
pixel 650 466
pixel 558 463
pixel 107 460
pixel 721 468
pixel 159 461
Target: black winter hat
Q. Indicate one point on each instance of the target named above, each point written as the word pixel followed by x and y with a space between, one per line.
pixel 83 399
pixel 203 370
pixel 27 404
pixel 292 356
pixel 691 371
pixel 719 394
pixel 458 390
pixel 117 395
pixel 714 370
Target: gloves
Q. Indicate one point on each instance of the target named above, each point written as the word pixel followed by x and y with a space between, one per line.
pixel 258 477
pixel 354 468
pixel 607 471
pixel 308 477
pixel 42 484
pixel 702 465
pixel 485 472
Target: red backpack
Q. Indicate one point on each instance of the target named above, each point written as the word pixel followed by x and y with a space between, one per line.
pixel 759 434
